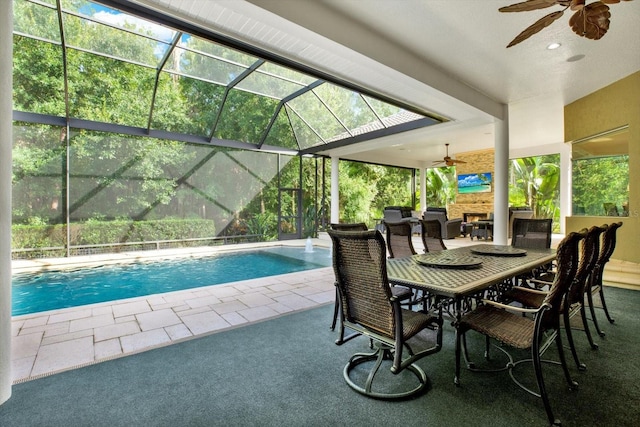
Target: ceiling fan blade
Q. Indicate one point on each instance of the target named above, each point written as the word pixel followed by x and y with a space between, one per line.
pixel 459 161
pixel 528 5
pixel 591 22
pixel 543 22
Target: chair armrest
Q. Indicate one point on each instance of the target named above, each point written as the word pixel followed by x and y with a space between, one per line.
pixel 510 307
pixel 529 290
pixel 541 282
pixel 400 293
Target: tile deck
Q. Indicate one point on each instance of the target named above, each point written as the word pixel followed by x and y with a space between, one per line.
pixel 55 341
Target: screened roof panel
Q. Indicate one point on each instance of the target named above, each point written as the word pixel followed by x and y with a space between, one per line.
pixel 348 106
pixel 95 37
pixel 91 95
pixel 38 77
pixel 269 84
pixel 245 117
pixel 195 64
pixel 112 17
pixel 316 115
pixel 150 73
pixel 216 50
pixel 306 137
pixel 281 133
pixel 186 105
pixel 35 20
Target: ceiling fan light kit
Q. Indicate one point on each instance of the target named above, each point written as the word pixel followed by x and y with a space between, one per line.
pixel 589 20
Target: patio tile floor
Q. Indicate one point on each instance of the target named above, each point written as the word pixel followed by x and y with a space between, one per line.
pixel 59 340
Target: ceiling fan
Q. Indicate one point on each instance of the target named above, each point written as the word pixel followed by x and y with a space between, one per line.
pixel 589 20
pixel 448 161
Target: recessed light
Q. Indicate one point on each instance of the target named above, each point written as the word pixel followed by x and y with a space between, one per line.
pixel 553 46
pixel 575 58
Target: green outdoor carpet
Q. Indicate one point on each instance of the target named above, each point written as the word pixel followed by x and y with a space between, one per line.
pixel 288 372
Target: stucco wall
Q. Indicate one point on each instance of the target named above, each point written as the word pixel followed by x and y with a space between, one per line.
pixel 608 108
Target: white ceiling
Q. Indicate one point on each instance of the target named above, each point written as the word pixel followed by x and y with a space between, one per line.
pixel 446 56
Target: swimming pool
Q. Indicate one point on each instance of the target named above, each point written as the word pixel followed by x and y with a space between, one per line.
pixel 51 290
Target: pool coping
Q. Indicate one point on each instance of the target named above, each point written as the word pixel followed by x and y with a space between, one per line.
pixel 83 261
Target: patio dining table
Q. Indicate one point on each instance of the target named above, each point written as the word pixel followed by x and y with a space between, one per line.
pixel 463 272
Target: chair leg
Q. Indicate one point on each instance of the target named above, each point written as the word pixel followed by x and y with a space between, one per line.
pixel 537 367
pixel 593 314
pixel 604 305
pixel 572 346
pixel 456 378
pixel 585 325
pixel 563 361
pixel 382 353
pixel 336 308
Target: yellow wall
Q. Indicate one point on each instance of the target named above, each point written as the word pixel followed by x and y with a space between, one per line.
pixel 608 108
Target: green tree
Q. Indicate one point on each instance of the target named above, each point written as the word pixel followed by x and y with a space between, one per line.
pixel 535 182
pixel 441 186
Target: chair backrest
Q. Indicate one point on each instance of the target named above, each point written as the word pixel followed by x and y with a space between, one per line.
pixel 359 263
pixel 531 233
pixel 518 212
pixel 567 260
pixel 355 226
pixel 608 243
pixel 432 235
pixel 399 239
pixel 392 214
pixel 435 215
pixel 588 258
pixel 443 210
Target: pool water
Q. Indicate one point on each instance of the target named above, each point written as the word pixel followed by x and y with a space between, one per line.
pixel 33 293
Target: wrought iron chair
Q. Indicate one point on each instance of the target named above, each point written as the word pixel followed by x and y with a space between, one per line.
pixel 536 333
pixel 432 235
pixel 574 303
pixel 399 244
pixel 369 308
pixel 595 283
pixel 399 241
pixel 531 233
pixel 528 233
pixel 356 226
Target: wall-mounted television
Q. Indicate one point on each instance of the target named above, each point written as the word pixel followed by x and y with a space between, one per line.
pixel 474 183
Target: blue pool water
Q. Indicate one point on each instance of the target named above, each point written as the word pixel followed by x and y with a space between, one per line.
pixel 33 293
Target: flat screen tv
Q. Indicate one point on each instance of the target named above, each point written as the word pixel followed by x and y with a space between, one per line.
pixel 474 183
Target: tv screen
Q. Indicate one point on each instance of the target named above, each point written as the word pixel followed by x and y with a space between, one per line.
pixel 474 183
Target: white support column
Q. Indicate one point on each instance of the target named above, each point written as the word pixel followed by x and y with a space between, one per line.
pixel 423 189
pixel 335 193
pixel 500 183
pixel 565 186
pixel 6 142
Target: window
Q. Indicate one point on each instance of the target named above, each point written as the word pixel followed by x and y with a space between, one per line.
pixel 600 174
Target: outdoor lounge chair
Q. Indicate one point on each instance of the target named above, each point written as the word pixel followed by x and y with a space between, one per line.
pixel 449 228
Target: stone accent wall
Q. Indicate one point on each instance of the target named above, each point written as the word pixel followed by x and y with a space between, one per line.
pixel 477 162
